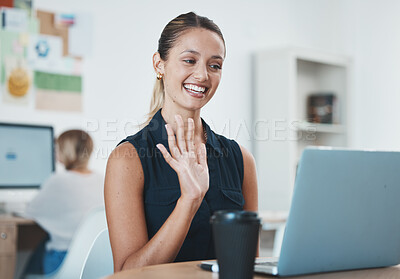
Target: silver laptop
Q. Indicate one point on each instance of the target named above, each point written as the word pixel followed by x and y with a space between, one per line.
pixel 345 213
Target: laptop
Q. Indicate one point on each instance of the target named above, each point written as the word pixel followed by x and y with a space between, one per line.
pixel 345 213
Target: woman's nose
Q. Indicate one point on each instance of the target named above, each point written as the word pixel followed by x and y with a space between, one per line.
pixel 201 73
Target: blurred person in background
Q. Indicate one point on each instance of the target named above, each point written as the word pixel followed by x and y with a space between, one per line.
pixel 64 199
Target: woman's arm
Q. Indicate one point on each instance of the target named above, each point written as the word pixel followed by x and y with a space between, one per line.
pixel 124 184
pixel 249 187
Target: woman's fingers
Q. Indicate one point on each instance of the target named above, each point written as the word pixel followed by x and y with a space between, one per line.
pixel 180 133
pixel 190 138
pixel 168 158
pixel 181 145
pixel 172 142
pixel 202 155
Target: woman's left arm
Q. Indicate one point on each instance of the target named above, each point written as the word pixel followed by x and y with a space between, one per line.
pixel 249 186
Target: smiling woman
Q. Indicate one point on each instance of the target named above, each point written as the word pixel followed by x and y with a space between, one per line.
pixel 192 73
pixel 164 183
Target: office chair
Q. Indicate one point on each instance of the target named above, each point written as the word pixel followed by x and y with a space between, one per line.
pixel 99 262
pixel 89 244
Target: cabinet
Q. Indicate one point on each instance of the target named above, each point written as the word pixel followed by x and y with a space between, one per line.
pixel 16 234
pixel 283 80
pixel 8 246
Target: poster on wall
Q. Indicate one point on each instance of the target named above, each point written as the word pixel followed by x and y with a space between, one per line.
pixel 44 52
pixel 11 45
pixel 13 68
pixel 58 92
pixel 15 20
pixel 80 42
pixel 18 81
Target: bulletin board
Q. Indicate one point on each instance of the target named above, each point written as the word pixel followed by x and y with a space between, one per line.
pixel 41 56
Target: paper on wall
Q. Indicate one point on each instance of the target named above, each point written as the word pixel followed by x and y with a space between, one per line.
pixel 58 92
pixel 80 35
pixel 44 52
pixel 14 19
pixel 18 84
pixel 10 47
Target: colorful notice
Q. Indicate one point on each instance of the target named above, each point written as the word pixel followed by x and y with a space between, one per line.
pixel 18 83
pixel 58 92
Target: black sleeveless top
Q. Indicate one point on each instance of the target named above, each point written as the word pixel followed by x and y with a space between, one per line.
pixel 161 185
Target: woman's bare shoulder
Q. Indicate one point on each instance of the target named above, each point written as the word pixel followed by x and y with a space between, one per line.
pixel 248 158
pixel 124 162
pixel 124 151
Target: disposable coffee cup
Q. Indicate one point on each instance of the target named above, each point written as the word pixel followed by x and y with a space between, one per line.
pixel 235 239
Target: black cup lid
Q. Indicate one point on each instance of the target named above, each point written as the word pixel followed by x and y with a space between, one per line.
pixel 235 216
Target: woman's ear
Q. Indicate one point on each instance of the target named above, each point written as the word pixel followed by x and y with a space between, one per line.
pixel 158 63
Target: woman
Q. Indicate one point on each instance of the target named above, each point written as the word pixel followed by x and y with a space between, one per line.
pixel 163 183
pixel 65 198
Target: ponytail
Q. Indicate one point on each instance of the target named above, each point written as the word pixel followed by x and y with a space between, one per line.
pixel 157 100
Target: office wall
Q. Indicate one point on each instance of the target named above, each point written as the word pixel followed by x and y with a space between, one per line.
pixel 118 74
pixel 376 75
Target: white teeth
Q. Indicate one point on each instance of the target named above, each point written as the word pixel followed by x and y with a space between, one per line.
pixel 195 87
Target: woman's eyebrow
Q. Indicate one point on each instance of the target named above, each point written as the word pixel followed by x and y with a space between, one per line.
pixel 217 57
pixel 191 51
pixel 198 53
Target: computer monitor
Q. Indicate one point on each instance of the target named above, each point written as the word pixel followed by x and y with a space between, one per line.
pixel 26 160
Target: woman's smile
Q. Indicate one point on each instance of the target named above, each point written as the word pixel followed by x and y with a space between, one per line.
pixel 196 91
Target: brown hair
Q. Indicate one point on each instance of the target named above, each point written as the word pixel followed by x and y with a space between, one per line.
pixel 172 31
pixel 74 149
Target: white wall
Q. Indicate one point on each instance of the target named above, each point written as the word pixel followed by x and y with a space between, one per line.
pixel 376 101
pixel 118 74
pixel 118 77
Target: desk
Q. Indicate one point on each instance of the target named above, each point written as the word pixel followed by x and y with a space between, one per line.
pixel 16 233
pixel 191 270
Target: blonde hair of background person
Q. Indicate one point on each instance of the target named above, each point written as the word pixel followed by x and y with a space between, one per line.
pixel 74 148
pixel 188 66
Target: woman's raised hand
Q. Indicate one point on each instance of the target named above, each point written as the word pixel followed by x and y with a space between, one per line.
pixel 189 162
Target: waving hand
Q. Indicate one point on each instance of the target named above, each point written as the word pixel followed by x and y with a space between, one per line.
pixel 189 162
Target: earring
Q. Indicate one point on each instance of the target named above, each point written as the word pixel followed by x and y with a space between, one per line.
pixel 160 76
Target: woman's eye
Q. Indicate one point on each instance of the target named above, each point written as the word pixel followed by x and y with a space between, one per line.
pixel 190 61
pixel 216 67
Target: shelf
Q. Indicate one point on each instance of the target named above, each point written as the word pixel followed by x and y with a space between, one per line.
pixel 283 81
pixel 321 128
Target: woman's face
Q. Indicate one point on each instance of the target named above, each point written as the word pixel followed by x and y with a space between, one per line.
pixel 193 69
